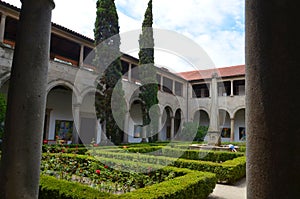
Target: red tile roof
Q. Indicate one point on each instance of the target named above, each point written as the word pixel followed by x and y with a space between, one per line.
pixel 206 74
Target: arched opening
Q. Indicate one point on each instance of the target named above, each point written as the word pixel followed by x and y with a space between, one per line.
pixel 166 132
pixel 239 125
pixel 177 121
pixel 88 120
pixel 224 124
pixel 58 116
pixel 135 121
pixel 202 117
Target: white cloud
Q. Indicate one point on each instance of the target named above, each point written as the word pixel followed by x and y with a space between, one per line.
pixel 217 26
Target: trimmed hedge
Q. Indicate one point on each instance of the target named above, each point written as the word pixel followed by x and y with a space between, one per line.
pixel 190 184
pixel 65 149
pixel 51 187
pixel 204 155
pixel 194 185
pixel 227 172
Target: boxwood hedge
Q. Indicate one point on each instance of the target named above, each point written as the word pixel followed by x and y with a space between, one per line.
pixel 190 184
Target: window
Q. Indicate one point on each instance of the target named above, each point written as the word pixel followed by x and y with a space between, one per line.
pixel 125 68
pixel 178 88
pixel 239 87
pixel 224 88
pixel 167 85
pixel 200 90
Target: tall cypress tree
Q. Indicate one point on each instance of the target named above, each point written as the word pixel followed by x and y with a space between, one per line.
pixel 147 73
pixel 107 34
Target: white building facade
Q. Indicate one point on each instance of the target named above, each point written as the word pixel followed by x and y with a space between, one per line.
pixel 70 110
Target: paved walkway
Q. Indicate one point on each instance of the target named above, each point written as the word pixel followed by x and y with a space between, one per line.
pixel 236 191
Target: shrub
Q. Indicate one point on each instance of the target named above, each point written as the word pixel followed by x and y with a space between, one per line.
pixel 205 155
pixel 51 187
pixel 201 133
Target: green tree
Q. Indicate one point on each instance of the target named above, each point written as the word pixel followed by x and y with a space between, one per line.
pixel 2 113
pixel 201 133
pixel 189 131
pixel 147 73
pixel 106 34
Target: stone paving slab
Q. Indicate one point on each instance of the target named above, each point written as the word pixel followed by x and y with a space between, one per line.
pixel 236 191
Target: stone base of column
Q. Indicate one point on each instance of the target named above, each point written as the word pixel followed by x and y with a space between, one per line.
pixel 214 138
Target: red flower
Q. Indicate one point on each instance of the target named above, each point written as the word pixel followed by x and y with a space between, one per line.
pixel 124 147
pixel 98 171
pixel 95 145
pixel 45 141
pixel 106 166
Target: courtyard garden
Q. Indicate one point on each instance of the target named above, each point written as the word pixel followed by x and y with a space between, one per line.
pixel 145 170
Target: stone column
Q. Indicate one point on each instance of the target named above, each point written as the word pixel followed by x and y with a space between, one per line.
pixel 214 134
pixel 210 90
pixel 129 72
pixel 2 27
pixel 22 144
pixel 76 129
pixel 161 83
pixel 81 55
pixel 159 127
pixel 173 87
pixel 272 102
pixel 98 131
pixel 231 88
pixel 172 127
pixel 126 127
pixel 144 134
pixel 232 129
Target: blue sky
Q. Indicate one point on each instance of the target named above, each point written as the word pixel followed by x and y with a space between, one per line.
pixel 215 25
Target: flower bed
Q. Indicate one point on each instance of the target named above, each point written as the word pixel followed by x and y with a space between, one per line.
pixel 95 173
pixel 171 182
pixel 227 172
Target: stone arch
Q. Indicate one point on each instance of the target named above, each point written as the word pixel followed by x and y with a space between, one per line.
pixel 230 113
pixel 169 107
pixel 65 83
pixel 59 120
pixel 200 109
pixel 135 120
pixel 224 122
pixel 178 122
pixel 202 117
pixel 166 123
pixel 237 109
pixel 240 124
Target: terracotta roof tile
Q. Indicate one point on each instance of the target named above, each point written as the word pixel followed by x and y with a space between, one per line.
pixel 206 74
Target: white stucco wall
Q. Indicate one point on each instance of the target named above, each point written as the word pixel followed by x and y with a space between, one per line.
pixel 61 104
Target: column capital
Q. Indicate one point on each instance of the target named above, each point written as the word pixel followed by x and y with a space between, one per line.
pixel 3 15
